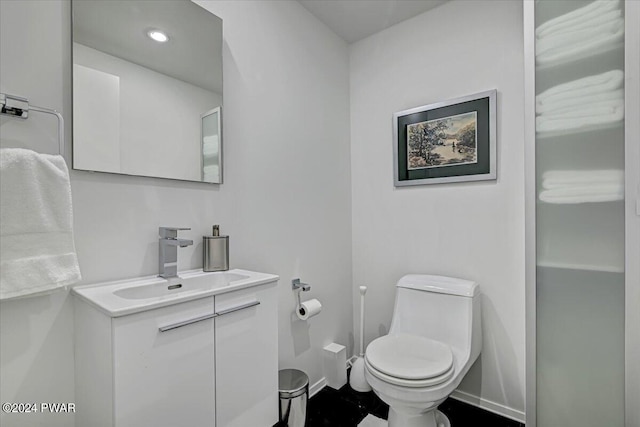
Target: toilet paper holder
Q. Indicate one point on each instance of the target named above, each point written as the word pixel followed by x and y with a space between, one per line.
pixel 297 285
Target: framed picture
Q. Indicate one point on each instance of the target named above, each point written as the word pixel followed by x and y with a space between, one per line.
pixel 450 141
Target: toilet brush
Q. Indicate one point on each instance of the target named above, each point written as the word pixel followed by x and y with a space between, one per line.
pixel 357 381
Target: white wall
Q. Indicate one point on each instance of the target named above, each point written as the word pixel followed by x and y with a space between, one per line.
pixel 159 118
pixel 36 335
pixel 469 230
pixel 287 198
pixel 285 202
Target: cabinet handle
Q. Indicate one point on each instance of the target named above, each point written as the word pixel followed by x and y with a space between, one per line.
pixel 239 307
pixel 207 316
pixel 187 322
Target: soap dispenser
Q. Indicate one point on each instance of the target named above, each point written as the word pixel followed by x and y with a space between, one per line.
pixel 216 251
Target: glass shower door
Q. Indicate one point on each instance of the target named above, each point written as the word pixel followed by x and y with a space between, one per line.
pixel 580 213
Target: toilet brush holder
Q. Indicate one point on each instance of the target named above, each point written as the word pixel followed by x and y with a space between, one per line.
pixel 357 381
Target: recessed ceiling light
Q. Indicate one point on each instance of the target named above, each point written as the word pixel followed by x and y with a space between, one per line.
pixel 158 36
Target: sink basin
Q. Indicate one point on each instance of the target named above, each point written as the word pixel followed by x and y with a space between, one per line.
pixel 163 288
pixel 146 293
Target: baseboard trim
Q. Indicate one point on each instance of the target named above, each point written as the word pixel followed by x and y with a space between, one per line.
pixel 462 396
pixel 322 382
pixel 316 387
pixel 488 405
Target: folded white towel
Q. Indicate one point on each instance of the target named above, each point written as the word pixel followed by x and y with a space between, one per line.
pixel 586 194
pixel 563 104
pixel 583 178
pixel 580 48
pixel 593 10
pixel 578 36
pixel 593 110
pixel 593 23
pixel 586 117
pixel 605 82
pixel 37 251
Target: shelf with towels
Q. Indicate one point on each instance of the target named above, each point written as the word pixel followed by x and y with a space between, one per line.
pixel 587 151
pixel 595 63
pixel 587 103
pixel 567 73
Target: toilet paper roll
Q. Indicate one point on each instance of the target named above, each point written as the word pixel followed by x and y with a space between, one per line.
pixel 308 309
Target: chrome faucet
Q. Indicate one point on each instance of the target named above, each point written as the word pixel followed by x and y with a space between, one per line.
pixel 169 243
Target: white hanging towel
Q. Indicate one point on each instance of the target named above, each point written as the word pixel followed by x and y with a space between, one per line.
pixel 37 250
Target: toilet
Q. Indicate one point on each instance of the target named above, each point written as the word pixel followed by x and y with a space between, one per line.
pixel 434 338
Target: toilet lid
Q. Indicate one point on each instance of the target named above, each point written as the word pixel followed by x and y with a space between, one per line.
pixel 409 357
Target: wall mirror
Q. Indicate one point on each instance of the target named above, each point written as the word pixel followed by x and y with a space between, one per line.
pixel 147 89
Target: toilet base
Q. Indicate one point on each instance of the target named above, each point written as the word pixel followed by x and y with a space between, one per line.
pixel 433 418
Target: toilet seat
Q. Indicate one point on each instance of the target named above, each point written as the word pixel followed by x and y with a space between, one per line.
pixel 409 360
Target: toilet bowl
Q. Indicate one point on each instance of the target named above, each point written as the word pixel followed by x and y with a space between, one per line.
pixel 433 340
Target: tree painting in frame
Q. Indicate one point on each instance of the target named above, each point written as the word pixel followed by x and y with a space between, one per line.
pixel 450 141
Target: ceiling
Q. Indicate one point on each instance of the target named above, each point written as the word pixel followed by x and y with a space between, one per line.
pixel 193 53
pixel 354 20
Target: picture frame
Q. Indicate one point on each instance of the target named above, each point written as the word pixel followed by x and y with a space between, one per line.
pixel 444 142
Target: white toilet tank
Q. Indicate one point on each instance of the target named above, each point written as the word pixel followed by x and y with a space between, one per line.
pixel 442 308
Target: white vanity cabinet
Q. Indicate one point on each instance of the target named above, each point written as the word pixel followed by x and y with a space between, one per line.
pixel 210 361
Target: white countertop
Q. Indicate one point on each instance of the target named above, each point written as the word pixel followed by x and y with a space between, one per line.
pixel 123 297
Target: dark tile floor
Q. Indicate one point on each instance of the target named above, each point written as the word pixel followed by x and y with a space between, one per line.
pixel 346 408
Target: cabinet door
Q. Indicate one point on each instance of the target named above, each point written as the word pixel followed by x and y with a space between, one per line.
pixel 247 357
pixel 579 213
pixel 165 378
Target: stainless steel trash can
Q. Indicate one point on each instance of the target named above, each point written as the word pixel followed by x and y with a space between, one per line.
pixel 293 387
